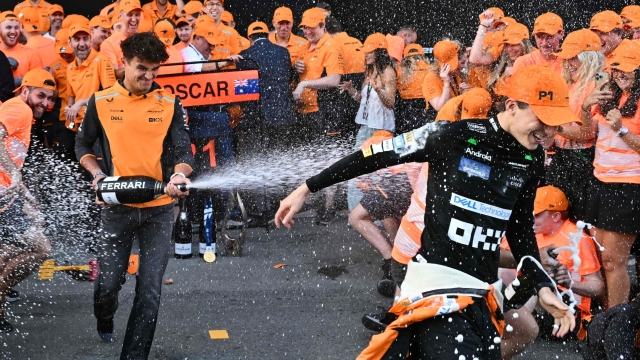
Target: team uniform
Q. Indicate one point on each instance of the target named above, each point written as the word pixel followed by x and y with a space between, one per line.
pixel 536 58
pixel 410 103
pixel 432 87
pixel 297 46
pixel 152 12
pixel 27 58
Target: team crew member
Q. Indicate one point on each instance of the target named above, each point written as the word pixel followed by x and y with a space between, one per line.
pixel 73 19
pixel 487 46
pixel 166 33
pixel 227 19
pixel 229 38
pixel 90 72
pixel 130 15
pixel 61 135
pixel 572 166
pixel 203 44
pixel 184 30
pixel 24 245
pixel 283 22
pixel 404 37
pixel 192 10
pixel 613 208
pixel 443 80
pixel 548 30
pixel 162 9
pixel 40 5
pixel 22 58
pixel 100 30
pixel 458 107
pixel 453 244
pixel 144 148
pixel 56 16
pixel 45 47
pixel 516 44
pixel 410 103
pixel 608 25
pixel 630 16
pixel 553 228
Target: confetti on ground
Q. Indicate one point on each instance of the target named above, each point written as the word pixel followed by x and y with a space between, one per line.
pixel 279 266
pixel 218 334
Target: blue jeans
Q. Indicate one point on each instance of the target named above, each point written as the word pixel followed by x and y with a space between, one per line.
pixel 152 226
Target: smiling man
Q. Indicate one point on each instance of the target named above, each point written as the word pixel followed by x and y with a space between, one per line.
pixel 465 220
pixel 149 136
pixel 548 30
pixel 21 58
pixel 283 22
pixel 608 25
pixel 130 17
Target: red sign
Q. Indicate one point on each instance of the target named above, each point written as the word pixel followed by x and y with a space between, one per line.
pixel 214 88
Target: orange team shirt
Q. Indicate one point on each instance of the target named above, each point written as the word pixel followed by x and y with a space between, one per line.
pixel 575 104
pixel 536 58
pixel 174 57
pixel 111 49
pixel 351 52
pixel 229 38
pixel 43 10
pixel 411 87
pixel 45 48
pixel 26 57
pixel 180 46
pixel 297 46
pixel 451 110
pixel 326 56
pixel 395 46
pixel 16 117
pixel 59 71
pixel 151 9
pixel 94 74
pixel 243 43
pixel 432 86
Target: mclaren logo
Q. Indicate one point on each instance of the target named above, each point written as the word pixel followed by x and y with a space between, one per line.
pixel 110 100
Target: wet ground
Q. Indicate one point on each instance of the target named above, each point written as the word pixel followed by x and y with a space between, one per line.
pixel 308 309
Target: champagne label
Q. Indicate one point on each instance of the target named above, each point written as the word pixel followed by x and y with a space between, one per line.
pixel 213 247
pixel 110 198
pixel 203 248
pixel 183 249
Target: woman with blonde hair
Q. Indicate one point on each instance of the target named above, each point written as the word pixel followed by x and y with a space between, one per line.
pixel 516 43
pixel 410 103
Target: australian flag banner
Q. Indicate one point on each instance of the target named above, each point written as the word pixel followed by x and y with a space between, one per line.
pixel 246 86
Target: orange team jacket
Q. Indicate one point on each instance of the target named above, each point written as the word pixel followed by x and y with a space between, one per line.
pixel 229 37
pixel 45 48
pixel 410 86
pixel 180 46
pixel 43 10
pixel 352 53
pixel 536 58
pixel 324 58
pixel 139 135
pixel 243 43
pixel 26 57
pixel 16 117
pixel 59 71
pixel 297 46
pixel 111 49
pixel 174 57
pixel 94 74
pixel 151 9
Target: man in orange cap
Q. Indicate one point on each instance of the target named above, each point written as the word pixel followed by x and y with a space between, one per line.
pixel 56 15
pixel 608 25
pixel 202 46
pixel 192 10
pixel 100 30
pixel 283 22
pixel 474 104
pixel 548 31
pixel 40 5
pixel 24 245
pixel 229 37
pixel 31 29
pixel 21 58
pixel 227 19
pixel 130 14
pixel 466 219
pixel 487 45
pixel 162 9
pixel 166 33
pixel 184 30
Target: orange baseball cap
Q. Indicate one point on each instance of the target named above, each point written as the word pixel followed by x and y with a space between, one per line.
pixel 8 15
pixel 515 34
pixel 74 19
pixel 549 198
pixel 630 12
pixel 497 13
pixel 446 52
pixel 412 50
pixel 312 17
pixel 39 78
pixel 30 18
pixel 605 21
pixel 55 8
pixel 476 104
pixel 226 17
pixel 283 13
pixel 505 20
pixel 101 21
pixel 165 32
pixel 548 23
pixel 129 5
pixel 62 42
pixel 220 1
pixel 544 90
pixel 182 20
pixel 79 27
pixel 577 42
pixel 204 19
pixel 208 31
pixel 626 56
pixel 375 41
pixel 192 7
pixel 257 27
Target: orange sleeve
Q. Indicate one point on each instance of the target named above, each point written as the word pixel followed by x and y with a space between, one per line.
pixel 431 86
pixel 35 62
pixel 234 43
pixel 15 117
pixel 110 52
pixel 334 62
pixel 107 74
pixel 589 257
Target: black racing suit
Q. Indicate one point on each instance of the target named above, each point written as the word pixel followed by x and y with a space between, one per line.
pixel 481 186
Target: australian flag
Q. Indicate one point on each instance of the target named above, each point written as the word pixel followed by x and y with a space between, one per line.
pixel 246 86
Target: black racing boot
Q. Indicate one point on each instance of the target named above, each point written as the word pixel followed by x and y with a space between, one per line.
pixel 386 286
pixel 378 321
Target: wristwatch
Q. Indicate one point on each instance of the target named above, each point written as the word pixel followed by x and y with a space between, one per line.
pixel 98 174
pixel 622 131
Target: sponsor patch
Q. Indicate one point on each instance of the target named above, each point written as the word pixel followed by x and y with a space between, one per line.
pixel 366 152
pixel 398 142
pixel 387 145
pixel 472 141
pixel 517 165
pixel 479 128
pixel 478 154
pixel 475 236
pixel 474 168
pixel 377 148
pixel 409 138
pixel 480 207
pixel 493 123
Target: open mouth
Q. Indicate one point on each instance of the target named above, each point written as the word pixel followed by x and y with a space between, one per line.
pixel 539 138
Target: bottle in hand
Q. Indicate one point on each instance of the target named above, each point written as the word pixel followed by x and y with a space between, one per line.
pixel 183 234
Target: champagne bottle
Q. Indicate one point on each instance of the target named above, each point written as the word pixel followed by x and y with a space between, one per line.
pixel 183 234
pixel 116 190
pixel 207 229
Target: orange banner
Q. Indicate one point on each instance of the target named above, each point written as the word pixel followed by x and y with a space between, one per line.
pixel 214 88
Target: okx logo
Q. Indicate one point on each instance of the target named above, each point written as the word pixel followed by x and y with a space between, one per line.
pixel 476 236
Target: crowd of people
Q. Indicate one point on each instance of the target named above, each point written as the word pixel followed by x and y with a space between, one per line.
pixel 476 155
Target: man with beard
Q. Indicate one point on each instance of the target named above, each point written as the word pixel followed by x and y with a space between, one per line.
pixel 91 72
pixel 163 9
pixel 31 29
pixel 184 31
pixel 229 38
pixel 56 15
pixel 100 30
pixel 21 58
pixel 130 16
pixel 548 30
pixel 283 22
pixel 23 246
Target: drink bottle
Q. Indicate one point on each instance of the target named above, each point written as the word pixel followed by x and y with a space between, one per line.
pixel 116 190
pixel 207 230
pixel 183 234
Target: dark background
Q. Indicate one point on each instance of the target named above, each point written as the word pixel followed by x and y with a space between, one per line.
pixel 434 19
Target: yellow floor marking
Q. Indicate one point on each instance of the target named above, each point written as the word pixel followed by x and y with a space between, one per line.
pixel 218 334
